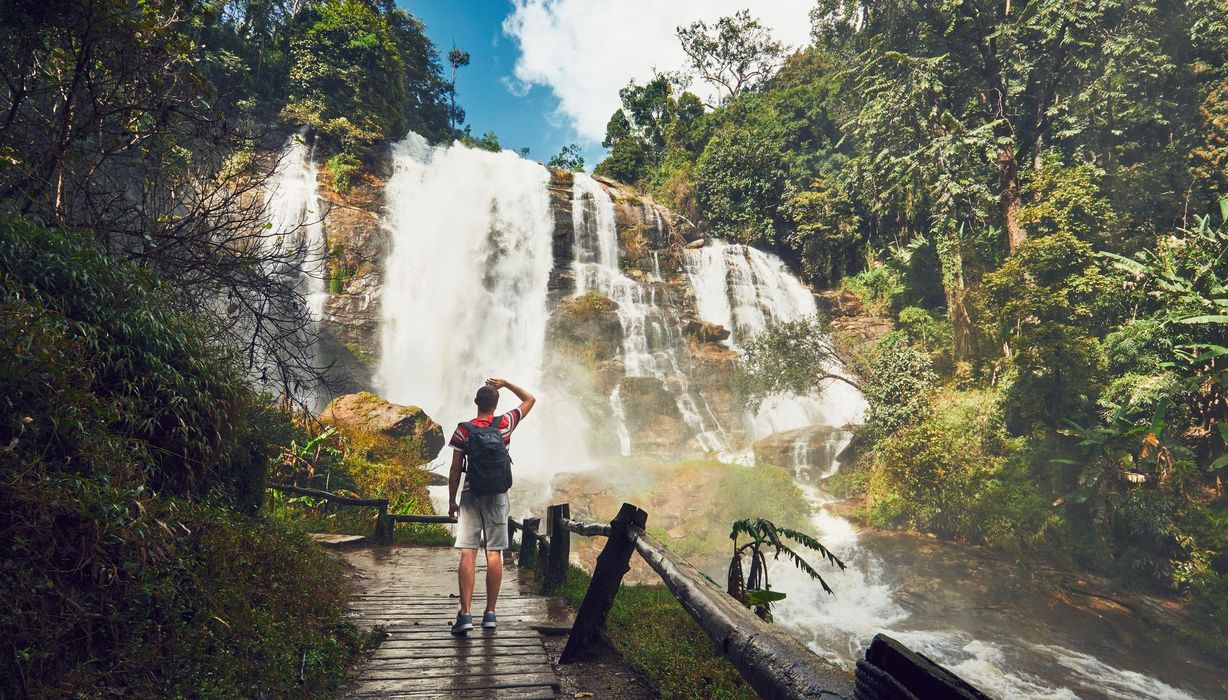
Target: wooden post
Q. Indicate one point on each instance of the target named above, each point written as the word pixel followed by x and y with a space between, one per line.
pixel 511 531
pixel 612 564
pixel 560 548
pixel 383 525
pixel 528 542
pixel 543 556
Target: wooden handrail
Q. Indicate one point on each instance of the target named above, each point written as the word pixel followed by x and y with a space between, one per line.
pixel 775 664
pixel 416 518
pixel 586 529
pixel 331 497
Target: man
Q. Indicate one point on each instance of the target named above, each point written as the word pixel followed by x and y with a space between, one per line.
pixel 480 514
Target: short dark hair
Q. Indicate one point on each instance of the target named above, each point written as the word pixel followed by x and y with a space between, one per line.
pixel 487 398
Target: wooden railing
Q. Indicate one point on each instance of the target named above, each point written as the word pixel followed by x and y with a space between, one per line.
pixel 384 521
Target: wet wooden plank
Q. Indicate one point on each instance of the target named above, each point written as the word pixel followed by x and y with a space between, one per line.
pixel 420 658
pixel 445 686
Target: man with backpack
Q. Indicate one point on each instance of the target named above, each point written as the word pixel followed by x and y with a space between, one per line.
pixel 480 451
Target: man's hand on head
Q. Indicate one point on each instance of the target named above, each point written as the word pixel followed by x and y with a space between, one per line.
pixel 497 383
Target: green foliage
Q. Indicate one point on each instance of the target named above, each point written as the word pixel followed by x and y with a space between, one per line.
pixel 162 597
pixel 1049 300
pixel 487 142
pixel 955 472
pixel 789 357
pixel 361 74
pixel 652 632
pixel 740 181
pixel 824 230
pixel 104 375
pixel 897 388
pixel 568 158
pixel 752 588
pixel 877 286
pixel 1069 200
pixel 342 169
pixel 134 454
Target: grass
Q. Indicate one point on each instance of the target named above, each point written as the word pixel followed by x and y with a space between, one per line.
pixel 652 633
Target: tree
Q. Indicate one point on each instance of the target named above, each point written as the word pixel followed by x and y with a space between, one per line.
pixel 734 55
pixel 568 158
pixel 457 58
pixel 752 588
pixel 791 357
pixel 740 179
pixel 1049 301
pixel 969 93
pixel 639 133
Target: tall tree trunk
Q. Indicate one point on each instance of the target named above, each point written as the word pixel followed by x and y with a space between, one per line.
pixel 1011 198
pixel 951 257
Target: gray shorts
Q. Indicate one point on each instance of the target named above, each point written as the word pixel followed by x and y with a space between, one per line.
pixel 482 514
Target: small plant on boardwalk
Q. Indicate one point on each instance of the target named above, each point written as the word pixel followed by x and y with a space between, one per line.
pixel 752 588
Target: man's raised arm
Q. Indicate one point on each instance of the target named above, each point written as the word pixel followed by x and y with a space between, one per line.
pixel 526 399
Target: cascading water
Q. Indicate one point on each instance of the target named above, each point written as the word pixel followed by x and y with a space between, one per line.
pixel 296 230
pixel 745 290
pixel 293 204
pixel 465 292
pixel 652 345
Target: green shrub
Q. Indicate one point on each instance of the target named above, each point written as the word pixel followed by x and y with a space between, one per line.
pixel 897 388
pixel 110 587
pixel 342 169
pixel 105 375
pixel 877 286
pixel 956 473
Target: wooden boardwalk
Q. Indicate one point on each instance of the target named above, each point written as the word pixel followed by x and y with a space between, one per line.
pixel 411 591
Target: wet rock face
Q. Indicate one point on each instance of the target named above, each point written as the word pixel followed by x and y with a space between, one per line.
pixel 586 325
pixel 369 413
pixel 652 416
pixel 561 281
pixel 357 247
pixel 705 332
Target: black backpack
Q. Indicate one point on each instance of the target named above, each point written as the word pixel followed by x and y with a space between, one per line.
pixel 490 465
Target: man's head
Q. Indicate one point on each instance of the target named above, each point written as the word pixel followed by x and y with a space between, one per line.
pixel 487 399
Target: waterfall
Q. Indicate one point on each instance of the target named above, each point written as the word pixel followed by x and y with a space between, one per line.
pixel 465 293
pixel 295 239
pixel 652 344
pixel 745 290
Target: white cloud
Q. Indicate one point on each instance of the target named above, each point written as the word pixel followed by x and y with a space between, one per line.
pixel 586 50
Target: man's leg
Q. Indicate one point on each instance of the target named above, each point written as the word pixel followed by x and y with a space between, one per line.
pixel 494 577
pixel 465 576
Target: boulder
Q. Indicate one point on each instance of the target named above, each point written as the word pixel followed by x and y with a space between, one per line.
pixel 810 452
pixel 704 332
pixel 369 413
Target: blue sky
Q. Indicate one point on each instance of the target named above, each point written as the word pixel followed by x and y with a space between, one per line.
pixel 546 73
pixel 531 119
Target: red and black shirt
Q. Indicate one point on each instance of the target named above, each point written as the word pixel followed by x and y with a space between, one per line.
pixel 507 423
